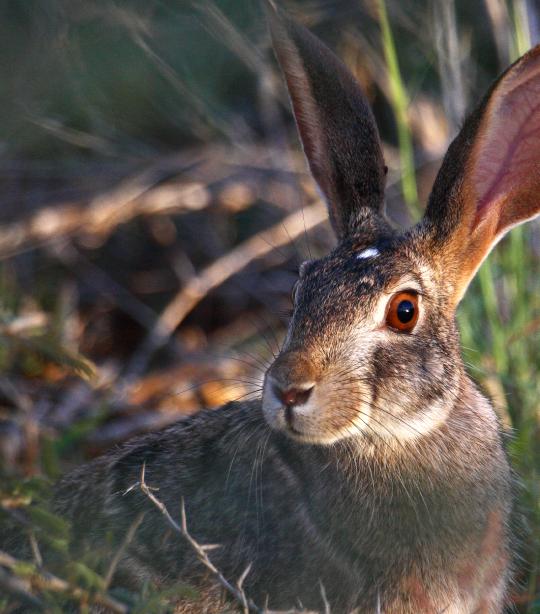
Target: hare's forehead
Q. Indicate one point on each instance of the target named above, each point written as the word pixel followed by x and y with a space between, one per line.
pixel 371 269
pixel 368 253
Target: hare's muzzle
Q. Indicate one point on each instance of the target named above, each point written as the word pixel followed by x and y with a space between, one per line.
pixel 292 396
pixel 288 388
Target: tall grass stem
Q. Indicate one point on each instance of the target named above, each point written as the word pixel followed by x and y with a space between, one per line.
pixel 400 104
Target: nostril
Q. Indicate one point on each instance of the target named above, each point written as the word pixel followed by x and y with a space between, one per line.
pixel 293 396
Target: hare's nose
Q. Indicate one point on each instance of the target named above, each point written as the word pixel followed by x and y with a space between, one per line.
pixel 293 396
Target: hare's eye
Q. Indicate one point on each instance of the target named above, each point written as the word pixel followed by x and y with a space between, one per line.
pixel 402 313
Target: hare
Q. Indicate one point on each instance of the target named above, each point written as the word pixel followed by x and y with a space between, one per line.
pixel 372 466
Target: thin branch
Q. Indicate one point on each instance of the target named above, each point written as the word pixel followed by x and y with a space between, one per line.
pixel 123 546
pixel 19 588
pixel 221 28
pixel 237 259
pixel 324 598
pixel 49 582
pixel 130 199
pixel 200 550
pixel 20 399
pixel 24 324
pixel 198 287
pixel 38 559
pixel 237 592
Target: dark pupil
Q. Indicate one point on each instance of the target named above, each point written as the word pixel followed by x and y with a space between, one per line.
pixel 405 312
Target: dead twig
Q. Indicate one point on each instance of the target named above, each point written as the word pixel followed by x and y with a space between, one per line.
pixel 20 399
pixel 38 559
pixel 324 598
pixel 123 546
pixel 15 586
pixel 42 581
pixel 217 23
pixel 195 290
pixel 131 198
pixel 24 324
pixel 92 275
pixel 234 261
pixel 200 550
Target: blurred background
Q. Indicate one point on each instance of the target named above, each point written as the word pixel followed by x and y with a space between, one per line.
pixel 155 206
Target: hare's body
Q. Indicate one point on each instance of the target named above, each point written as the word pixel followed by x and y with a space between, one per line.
pixel 417 529
pixel 372 467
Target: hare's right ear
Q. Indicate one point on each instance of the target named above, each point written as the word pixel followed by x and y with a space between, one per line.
pixel 490 178
pixel 336 127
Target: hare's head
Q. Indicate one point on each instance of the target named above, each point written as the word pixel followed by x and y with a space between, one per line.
pixel 372 346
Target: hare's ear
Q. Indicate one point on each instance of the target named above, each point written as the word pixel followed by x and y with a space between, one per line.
pixel 490 178
pixel 336 127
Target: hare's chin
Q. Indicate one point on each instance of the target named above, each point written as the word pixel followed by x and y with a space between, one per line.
pixel 310 437
pixel 323 438
pixel 310 422
pixel 309 434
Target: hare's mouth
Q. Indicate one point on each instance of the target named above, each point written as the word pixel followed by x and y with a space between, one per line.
pixel 293 430
pixel 307 413
pixel 290 408
pixel 304 424
pixel 289 414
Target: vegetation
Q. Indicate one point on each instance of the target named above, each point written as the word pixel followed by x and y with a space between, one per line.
pixel 146 148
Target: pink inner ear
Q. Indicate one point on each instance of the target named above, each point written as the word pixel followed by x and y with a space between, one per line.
pixel 507 158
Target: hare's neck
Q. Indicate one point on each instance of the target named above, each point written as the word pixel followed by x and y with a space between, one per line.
pixel 369 502
pixel 458 456
pixel 460 444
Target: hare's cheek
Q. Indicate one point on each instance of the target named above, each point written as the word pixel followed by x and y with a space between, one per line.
pixel 338 410
pixel 413 383
pixel 411 411
pixel 410 427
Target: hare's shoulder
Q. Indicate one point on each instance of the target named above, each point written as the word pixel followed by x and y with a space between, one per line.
pixel 197 437
pixel 177 456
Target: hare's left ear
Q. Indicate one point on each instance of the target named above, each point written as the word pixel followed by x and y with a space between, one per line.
pixel 490 178
pixel 336 127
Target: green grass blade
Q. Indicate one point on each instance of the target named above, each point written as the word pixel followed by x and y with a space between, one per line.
pixel 400 104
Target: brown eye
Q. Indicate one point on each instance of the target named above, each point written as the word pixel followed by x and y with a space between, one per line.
pixel 403 311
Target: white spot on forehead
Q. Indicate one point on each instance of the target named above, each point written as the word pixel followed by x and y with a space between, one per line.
pixel 370 252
